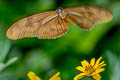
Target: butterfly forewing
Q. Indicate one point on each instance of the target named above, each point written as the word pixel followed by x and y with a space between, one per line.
pixel 87 16
pixel 28 27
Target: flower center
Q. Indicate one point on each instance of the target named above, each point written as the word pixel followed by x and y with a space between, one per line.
pixel 89 70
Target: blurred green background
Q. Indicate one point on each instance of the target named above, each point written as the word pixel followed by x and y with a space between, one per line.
pixel 46 57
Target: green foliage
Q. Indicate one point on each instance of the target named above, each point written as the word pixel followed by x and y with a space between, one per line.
pixel 46 57
pixel 4 50
pixel 114 65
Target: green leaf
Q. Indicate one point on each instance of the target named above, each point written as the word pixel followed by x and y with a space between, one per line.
pixel 37 60
pixel 9 62
pixel 5 44
pixel 114 66
pixel 4 49
pixel 7 75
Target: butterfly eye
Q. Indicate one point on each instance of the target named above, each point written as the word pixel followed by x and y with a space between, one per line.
pixel 59 10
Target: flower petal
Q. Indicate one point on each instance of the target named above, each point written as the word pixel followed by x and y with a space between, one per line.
pixel 33 76
pixel 84 63
pixel 102 65
pixel 77 77
pixel 97 62
pixel 56 76
pixel 99 70
pixel 97 76
pixel 80 68
pixel 92 62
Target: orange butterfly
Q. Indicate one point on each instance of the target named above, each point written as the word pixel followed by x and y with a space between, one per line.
pixel 54 24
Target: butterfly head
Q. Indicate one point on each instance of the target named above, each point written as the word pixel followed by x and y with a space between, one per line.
pixel 61 13
pixel 59 10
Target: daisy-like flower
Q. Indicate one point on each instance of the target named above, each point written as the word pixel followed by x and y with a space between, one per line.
pixel 90 69
pixel 33 76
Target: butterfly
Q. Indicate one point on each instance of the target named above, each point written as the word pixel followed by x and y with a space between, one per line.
pixel 54 24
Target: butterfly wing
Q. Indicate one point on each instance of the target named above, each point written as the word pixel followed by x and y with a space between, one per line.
pixel 87 16
pixel 53 29
pixel 29 26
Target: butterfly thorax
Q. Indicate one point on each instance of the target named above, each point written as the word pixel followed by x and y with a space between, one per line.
pixel 61 12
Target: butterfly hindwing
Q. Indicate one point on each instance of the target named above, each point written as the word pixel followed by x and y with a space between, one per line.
pixel 53 29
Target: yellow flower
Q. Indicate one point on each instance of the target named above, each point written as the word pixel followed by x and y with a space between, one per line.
pixel 90 69
pixel 33 76
pixel 56 76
